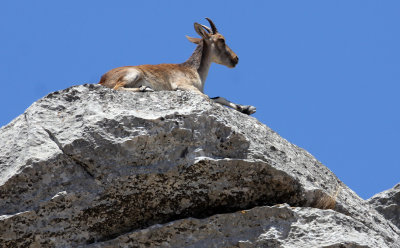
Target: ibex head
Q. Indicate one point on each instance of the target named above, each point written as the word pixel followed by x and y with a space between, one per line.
pixel 219 51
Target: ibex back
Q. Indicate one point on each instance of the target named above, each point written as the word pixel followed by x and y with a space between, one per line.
pixel 190 75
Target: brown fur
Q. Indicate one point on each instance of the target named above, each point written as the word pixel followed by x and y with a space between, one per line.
pixel 157 77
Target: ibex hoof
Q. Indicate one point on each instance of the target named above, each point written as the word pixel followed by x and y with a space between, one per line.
pixel 145 89
pixel 247 109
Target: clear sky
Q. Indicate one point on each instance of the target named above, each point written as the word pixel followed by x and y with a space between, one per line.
pixel 323 74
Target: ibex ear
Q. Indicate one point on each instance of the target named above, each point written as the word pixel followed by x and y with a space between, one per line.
pixel 201 31
pixel 193 40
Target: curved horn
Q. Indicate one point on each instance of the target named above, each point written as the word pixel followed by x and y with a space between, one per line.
pixel 207 28
pixel 213 27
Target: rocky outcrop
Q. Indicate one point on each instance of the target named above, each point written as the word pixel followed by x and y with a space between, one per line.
pixel 388 204
pixel 92 166
pixel 275 227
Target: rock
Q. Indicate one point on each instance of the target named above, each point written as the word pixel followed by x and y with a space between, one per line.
pixel 86 165
pixel 275 227
pixel 388 204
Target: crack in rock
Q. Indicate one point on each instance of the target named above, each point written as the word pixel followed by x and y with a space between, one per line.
pixel 83 165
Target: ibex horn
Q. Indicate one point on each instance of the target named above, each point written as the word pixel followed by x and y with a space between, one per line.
pixel 207 28
pixel 213 27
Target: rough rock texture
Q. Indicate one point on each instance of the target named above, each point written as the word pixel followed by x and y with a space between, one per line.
pixel 93 166
pixel 388 204
pixel 275 227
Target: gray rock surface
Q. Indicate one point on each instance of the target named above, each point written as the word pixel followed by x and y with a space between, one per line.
pixel 275 227
pixel 89 165
pixel 388 204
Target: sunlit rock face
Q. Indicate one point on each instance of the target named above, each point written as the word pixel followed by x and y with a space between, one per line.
pixel 388 204
pixel 89 166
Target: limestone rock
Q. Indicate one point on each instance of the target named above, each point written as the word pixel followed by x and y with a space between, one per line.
pixel 88 164
pixel 388 204
pixel 274 227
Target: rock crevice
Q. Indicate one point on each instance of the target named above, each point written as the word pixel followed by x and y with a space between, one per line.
pixel 84 166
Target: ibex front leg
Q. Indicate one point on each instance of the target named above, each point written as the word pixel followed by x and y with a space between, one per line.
pixel 245 109
pixel 140 89
pixel 130 82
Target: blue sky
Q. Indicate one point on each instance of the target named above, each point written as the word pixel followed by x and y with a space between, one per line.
pixel 324 74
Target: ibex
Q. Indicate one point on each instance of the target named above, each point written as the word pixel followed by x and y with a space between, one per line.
pixel 190 75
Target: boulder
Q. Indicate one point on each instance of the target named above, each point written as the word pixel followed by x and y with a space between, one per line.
pixel 388 204
pixel 88 166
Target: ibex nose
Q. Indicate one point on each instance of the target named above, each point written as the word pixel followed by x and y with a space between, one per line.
pixel 236 59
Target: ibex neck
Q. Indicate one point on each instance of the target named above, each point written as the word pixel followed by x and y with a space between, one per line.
pixel 200 60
